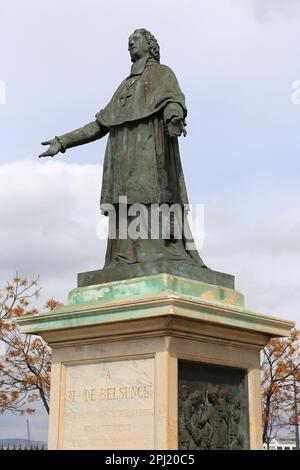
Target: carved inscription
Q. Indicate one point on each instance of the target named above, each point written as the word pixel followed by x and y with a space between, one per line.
pixel 109 405
pixel 111 393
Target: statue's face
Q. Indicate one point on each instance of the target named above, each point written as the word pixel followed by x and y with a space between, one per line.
pixel 138 46
pixel 212 397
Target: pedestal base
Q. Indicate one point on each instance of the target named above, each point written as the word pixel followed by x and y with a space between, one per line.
pixel 119 356
pixel 174 268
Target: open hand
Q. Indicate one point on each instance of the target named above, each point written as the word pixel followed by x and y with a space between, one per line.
pixel 55 147
pixel 176 127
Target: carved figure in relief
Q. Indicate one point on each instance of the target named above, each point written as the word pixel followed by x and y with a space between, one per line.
pixel 185 407
pixel 212 398
pixel 209 418
pixel 236 440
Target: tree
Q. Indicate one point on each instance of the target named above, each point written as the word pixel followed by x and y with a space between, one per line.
pixel 293 396
pixel 280 385
pixel 25 360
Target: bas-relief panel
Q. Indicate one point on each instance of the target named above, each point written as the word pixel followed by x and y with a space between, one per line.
pixel 213 407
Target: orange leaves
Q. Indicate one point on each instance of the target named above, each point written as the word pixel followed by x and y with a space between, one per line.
pixel 17 311
pixel 30 379
pixel 33 397
pixel 32 311
pixel 282 370
pixel 9 288
pixel 280 383
pixel 25 366
pixel 51 304
pixel 294 335
pixel 24 302
pixel 29 359
pixel 13 353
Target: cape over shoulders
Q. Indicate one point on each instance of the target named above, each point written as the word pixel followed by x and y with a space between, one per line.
pixel 140 96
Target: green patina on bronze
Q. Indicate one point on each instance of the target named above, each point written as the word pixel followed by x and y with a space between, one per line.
pixel 154 285
pixel 130 271
pixel 154 296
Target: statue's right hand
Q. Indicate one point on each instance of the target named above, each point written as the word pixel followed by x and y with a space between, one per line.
pixel 55 147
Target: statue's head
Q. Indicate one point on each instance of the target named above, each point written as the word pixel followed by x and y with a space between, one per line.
pixel 197 397
pixel 142 43
pixel 185 391
pixel 212 396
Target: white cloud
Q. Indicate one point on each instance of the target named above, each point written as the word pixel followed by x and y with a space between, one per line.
pixel 48 216
pixel 263 253
pixel 265 9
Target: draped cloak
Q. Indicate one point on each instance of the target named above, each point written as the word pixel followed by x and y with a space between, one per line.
pixel 142 162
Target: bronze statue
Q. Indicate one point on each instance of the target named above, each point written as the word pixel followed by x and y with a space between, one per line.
pixel 144 119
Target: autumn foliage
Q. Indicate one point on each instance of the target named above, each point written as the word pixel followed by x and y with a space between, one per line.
pixel 281 385
pixel 25 360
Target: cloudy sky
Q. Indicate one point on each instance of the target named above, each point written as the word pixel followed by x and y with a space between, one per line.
pixel 236 61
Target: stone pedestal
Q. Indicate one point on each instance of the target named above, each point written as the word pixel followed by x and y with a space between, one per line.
pixel 122 349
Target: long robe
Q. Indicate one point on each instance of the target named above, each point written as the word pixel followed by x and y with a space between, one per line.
pixel 142 161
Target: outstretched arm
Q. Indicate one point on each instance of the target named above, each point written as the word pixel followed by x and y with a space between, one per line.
pixel 83 135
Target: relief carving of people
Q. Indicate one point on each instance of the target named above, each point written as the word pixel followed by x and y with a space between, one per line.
pixel 209 418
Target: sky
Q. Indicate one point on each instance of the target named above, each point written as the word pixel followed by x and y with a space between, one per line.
pixel 236 62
